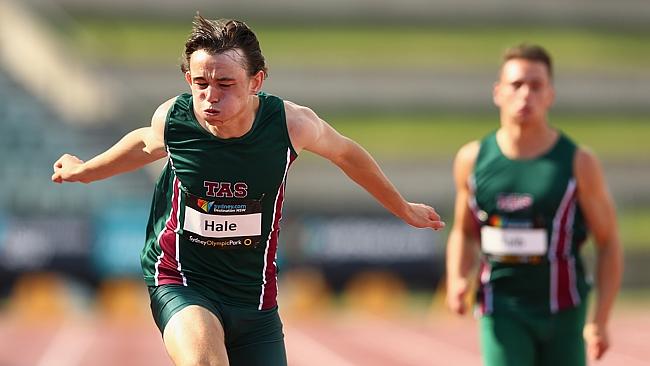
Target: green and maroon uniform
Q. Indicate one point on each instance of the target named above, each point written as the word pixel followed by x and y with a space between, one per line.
pixel 221 182
pixel 531 229
pixel 215 217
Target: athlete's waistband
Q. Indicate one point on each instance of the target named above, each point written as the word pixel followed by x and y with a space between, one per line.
pixel 517 259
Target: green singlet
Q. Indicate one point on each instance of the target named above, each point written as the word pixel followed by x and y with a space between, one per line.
pixel 214 221
pixel 531 229
pixel 217 206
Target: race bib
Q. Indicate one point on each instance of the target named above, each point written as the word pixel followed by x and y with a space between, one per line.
pixel 225 223
pixel 513 242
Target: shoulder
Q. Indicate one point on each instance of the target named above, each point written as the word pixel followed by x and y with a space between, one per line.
pixel 586 165
pixel 465 161
pixel 468 153
pixel 159 119
pixel 585 155
pixel 298 114
pixel 163 110
pixel 303 124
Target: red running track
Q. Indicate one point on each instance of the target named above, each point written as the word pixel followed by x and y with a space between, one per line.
pixel 338 339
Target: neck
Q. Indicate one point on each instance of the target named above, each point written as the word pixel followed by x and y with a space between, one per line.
pixel 231 130
pixel 526 140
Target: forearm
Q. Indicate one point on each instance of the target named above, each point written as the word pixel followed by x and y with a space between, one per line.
pixel 461 257
pixel 461 260
pixel 128 154
pixel 609 268
pixel 357 164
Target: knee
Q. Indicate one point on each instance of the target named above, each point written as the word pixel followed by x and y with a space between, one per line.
pixel 200 359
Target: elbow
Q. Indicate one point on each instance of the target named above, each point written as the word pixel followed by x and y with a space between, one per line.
pixel 340 158
pixel 611 257
pixel 348 153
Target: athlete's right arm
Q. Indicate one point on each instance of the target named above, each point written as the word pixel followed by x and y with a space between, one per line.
pixel 462 244
pixel 309 132
pixel 136 149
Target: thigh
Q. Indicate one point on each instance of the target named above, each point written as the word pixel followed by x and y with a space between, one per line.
pixel 565 346
pixel 506 341
pixel 192 331
pixel 254 337
pixel 259 354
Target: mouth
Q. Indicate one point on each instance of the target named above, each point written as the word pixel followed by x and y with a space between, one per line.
pixel 524 110
pixel 211 112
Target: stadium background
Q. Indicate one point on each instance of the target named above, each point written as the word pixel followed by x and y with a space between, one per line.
pixel 411 81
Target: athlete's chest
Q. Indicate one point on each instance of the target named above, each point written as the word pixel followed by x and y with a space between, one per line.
pixel 521 188
pixel 231 175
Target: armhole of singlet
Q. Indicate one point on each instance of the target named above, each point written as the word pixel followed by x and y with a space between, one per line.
pixel 566 140
pixel 166 129
pixel 483 144
pixel 285 128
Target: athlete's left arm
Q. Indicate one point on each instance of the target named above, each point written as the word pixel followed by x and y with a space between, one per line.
pixel 309 132
pixel 600 213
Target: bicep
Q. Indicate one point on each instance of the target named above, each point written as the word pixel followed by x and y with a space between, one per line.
pixel 464 222
pixel 329 143
pixel 154 135
pixel 309 132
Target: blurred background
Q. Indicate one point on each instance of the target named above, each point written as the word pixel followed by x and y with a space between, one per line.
pixel 410 80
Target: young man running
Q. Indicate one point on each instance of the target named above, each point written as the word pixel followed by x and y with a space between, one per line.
pixel 212 236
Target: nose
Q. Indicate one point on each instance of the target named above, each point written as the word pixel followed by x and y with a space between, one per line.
pixel 213 95
pixel 525 91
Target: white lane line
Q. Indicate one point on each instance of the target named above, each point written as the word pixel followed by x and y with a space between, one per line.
pixel 304 350
pixel 68 346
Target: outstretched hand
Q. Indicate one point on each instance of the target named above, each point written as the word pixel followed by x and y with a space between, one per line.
pixel 65 168
pixel 423 216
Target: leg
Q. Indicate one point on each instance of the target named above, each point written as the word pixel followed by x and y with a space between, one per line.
pixel 255 337
pixel 194 336
pixel 190 324
pixel 262 354
pixel 506 341
pixel 566 346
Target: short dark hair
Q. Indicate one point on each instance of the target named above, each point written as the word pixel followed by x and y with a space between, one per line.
pixel 530 52
pixel 219 36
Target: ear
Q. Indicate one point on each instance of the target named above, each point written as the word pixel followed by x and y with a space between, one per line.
pixel 551 97
pixel 256 82
pixel 188 78
pixel 496 99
